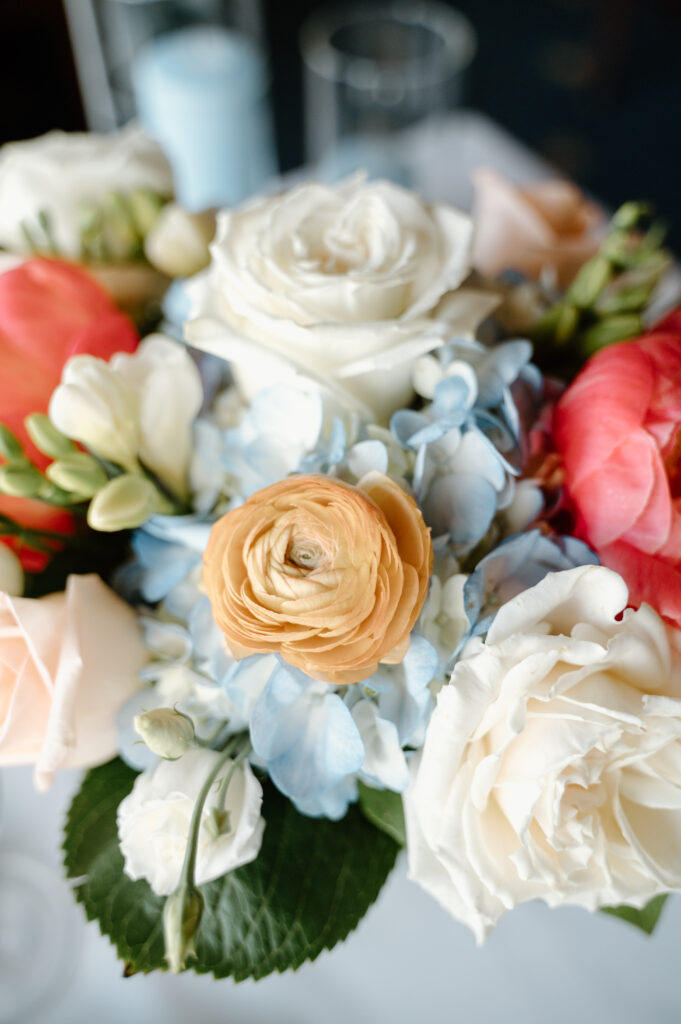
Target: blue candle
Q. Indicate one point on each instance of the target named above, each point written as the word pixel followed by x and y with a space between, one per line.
pixel 200 92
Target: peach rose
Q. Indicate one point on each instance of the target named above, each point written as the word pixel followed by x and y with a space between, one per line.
pixel 330 576
pixel 546 226
pixel 68 662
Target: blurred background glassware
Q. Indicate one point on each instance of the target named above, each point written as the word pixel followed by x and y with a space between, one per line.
pixel 373 70
pixel 195 74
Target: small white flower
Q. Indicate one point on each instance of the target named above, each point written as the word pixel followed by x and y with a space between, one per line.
pixel 153 821
pixel 552 763
pixel 168 394
pixel 137 407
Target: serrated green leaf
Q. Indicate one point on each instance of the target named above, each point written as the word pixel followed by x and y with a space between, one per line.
pixel 646 919
pixel 310 886
pixel 384 809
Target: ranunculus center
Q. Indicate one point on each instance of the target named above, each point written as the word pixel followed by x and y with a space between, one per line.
pixel 305 554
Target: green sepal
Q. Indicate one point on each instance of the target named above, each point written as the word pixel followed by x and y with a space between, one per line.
pixel 646 918
pixel 384 809
pixel 309 887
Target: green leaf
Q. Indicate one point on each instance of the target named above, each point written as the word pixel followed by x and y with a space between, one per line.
pixel 311 884
pixel 383 808
pixel 646 919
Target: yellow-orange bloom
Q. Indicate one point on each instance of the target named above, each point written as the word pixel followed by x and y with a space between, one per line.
pixel 330 576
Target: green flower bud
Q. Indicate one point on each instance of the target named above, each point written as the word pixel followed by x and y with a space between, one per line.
pixel 608 331
pixel 46 437
pixel 145 206
pixel 10 446
pixel 590 282
pixel 167 732
pixel 78 473
pixel 181 919
pixel 124 503
pixel 566 324
pixel 21 481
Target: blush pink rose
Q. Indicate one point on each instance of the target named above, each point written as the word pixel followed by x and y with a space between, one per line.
pixel 618 431
pixel 69 661
pixel 549 226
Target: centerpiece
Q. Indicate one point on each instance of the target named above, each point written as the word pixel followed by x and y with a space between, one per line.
pixel 385 553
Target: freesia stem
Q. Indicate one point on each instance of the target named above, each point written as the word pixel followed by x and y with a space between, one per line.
pixel 189 864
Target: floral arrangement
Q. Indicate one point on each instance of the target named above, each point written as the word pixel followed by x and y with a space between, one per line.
pixel 385 553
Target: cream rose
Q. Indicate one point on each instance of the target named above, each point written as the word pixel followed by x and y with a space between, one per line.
pixel 59 172
pixel 552 762
pixel 69 661
pixel 549 226
pixel 332 577
pixel 153 821
pixel 349 283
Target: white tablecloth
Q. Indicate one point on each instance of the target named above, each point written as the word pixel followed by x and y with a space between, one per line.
pixel 408 962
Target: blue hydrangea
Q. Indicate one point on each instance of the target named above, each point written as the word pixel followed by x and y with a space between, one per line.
pixel 467 441
pixel 515 565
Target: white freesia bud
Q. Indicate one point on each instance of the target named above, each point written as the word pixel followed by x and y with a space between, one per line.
pixel 178 242
pixel 78 473
pixel 11 573
pixel 95 406
pixel 123 504
pixel 46 437
pixel 167 395
pixel 20 480
pixel 167 732
pixel 182 914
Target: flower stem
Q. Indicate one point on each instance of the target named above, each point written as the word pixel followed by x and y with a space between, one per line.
pixel 189 864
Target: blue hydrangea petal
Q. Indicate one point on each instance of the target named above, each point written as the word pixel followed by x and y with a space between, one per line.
pixel 405 423
pixel 408 702
pixel 306 735
pixel 461 505
pixel 384 765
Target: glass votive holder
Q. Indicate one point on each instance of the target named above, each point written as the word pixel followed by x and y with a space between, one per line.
pixel 373 70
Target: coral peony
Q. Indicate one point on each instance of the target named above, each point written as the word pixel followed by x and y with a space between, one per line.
pixel 618 431
pixel 332 577
pixel 49 311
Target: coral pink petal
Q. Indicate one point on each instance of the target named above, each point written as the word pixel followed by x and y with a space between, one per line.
pixel 649 579
pixel 612 394
pixel 614 497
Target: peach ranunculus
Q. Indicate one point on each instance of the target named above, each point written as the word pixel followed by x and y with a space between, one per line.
pixel 548 226
pixel 69 661
pixel 330 576
pixel 618 431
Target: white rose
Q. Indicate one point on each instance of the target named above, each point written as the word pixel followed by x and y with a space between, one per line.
pixel 153 821
pixel 57 173
pixel 348 283
pixel 552 762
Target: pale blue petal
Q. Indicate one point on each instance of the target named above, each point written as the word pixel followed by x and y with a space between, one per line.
pixel 408 702
pixel 305 734
pixel 461 505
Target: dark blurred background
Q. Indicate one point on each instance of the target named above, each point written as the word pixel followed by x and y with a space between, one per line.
pixel 593 85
